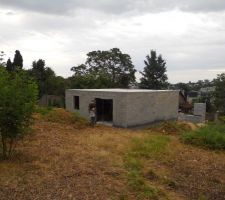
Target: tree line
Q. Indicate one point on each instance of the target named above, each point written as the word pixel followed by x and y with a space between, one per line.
pixel 102 69
pixel 111 69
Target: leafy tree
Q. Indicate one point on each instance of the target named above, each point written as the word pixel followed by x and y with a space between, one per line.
pixel 79 70
pixel 18 60
pixel 17 100
pixel 55 85
pixel 154 74
pixel 47 81
pixel 104 69
pixel 9 66
pixel 2 54
pixel 219 93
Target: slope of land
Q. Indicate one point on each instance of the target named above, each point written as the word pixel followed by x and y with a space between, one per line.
pixel 68 161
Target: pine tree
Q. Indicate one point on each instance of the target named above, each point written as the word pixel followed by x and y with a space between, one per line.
pixel 18 60
pixel 154 74
pixel 9 66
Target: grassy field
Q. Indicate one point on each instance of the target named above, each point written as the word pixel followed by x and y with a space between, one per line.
pixel 65 158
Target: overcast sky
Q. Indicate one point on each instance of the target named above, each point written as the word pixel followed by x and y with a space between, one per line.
pixel 190 34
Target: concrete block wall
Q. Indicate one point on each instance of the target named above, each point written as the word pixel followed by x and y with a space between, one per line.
pixel 144 108
pixel 129 108
pixel 119 104
pixel 200 110
pixel 198 115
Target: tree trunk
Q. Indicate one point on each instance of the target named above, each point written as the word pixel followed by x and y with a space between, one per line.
pixel 10 146
pixel 4 147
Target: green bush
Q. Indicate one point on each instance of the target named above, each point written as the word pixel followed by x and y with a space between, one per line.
pixel 211 136
pixel 18 94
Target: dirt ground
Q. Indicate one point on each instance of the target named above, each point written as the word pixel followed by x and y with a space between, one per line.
pixel 59 161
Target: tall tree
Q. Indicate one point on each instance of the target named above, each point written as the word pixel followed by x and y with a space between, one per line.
pixel 106 69
pixel 219 93
pixel 154 74
pixel 18 60
pixel 47 81
pixel 38 71
pixel 9 66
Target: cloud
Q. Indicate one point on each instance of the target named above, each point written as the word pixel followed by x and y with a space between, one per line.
pixel 68 7
pixel 63 33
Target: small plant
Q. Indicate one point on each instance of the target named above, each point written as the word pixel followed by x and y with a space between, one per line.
pixel 211 136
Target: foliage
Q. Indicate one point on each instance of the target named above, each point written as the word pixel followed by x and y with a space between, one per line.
pixel 211 136
pixel 219 93
pixel 18 60
pixel 42 110
pixel 154 74
pixel 2 54
pixel 104 69
pixel 17 101
pixel 192 86
pixel 9 66
pixel 208 100
pixel 150 147
pixel 47 81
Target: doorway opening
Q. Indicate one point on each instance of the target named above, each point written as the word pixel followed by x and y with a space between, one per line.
pixel 104 110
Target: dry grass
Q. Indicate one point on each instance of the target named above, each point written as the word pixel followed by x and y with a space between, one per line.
pixel 60 161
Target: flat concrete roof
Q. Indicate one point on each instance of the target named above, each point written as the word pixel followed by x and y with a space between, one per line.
pixel 119 90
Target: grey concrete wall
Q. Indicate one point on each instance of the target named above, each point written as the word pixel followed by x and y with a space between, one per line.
pixel 190 118
pixel 130 108
pixel 119 104
pixel 144 108
pixel 200 109
pixel 198 115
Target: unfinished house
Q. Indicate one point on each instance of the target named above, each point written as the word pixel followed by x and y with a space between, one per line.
pixel 125 107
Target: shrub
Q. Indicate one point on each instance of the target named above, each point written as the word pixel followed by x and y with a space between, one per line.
pixel 211 136
pixel 18 94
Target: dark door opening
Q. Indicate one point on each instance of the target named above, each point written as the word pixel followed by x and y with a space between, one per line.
pixel 104 109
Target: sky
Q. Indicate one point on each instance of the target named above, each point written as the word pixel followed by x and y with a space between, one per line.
pixel 189 34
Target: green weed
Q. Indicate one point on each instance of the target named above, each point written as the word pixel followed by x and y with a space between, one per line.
pixel 147 147
pixel 211 136
pixel 42 110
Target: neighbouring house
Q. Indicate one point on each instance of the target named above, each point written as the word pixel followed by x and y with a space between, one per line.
pixel 207 90
pixel 203 92
pixel 192 96
pixel 125 107
pixel 51 100
pixel 184 105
